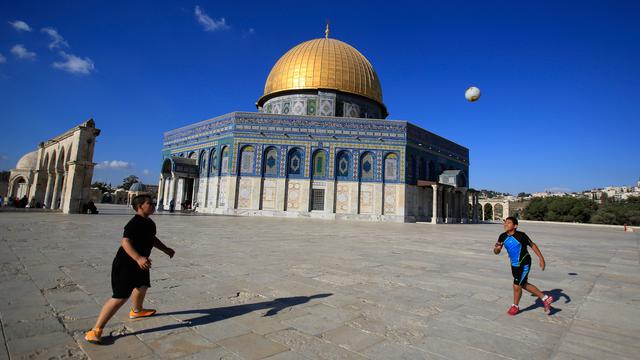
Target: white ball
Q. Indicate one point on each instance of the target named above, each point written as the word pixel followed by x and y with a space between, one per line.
pixel 472 94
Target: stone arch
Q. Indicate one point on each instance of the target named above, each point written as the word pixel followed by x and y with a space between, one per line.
pixel 53 161
pixel 45 162
pixel 367 166
pixel 295 162
pixel 294 169
pixel 498 211
pixel 343 175
pixel 213 162
pixel 319 164
pixel 202 163
pixel 270 162
pixel 487 212
pixel 391 174
pixel 224 160
pixel 366 189
pixel 199 182
pixel 270 171
pixel 319 170
pixel 61 160
pixel 245 181
pixel 192 155
pixel 391 170
pixel 246 160
pixel 222 173
pixel 166 174
pixel 343 165
pixel 18 187
pixel 51 168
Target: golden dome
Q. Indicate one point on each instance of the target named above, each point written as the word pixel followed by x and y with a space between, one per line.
pixel 324 64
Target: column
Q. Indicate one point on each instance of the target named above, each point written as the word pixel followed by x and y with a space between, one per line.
pixel 160 204
pixel 47 194
pixel 56 191
pixel 434 204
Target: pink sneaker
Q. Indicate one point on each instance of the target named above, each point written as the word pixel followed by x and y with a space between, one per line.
pixel 547 304
pixel 513 310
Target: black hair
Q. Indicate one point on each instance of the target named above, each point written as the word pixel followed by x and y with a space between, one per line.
pixel 513 220
pixel 139 200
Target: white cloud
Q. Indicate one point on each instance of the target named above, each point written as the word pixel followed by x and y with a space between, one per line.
pixel 74 64
pixel 2 59
pixel 114 164
pixel 145 171
pixel 21 52
pixel 209 24
pixel 20 25
pixel 57 40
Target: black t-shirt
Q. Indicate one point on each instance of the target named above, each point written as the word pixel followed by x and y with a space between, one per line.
pixel 141 233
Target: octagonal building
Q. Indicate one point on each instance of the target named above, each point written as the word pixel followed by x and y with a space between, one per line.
pixel 318 146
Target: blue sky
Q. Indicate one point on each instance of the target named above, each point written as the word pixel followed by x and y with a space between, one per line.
pixel 560 80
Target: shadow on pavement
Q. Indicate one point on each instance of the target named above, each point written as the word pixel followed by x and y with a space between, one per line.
pixel 556 294
pixel 221 313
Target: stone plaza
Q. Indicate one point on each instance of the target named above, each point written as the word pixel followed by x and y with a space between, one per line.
pixel 290 288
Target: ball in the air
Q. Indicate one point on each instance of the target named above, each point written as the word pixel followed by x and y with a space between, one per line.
pixel 472 94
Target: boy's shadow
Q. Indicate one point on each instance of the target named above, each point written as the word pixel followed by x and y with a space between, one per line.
pixel 556 294
pixel 217 314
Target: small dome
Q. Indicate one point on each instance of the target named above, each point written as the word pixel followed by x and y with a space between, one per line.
pixel 138 187
pixel 28 161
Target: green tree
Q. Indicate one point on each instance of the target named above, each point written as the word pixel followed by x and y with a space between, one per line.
pixel 102 186
pixel 128 181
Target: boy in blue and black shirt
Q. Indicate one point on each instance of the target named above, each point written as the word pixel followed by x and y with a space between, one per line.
pixel 516 243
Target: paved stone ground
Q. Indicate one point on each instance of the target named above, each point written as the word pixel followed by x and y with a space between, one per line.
pixel 257 288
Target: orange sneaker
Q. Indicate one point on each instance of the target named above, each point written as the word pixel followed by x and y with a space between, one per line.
pixel 94 336
pixel 141 313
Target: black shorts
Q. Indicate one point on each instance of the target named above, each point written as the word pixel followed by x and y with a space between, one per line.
pixel 125 278
pixel 521 273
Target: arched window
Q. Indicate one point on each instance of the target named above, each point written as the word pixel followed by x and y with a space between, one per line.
pixel 224 163
pixel 366 166
pixel 295 165
pixel 213 162
pixel 202 163
pixel 391 167
pixel 247 159
pixel 270 162
pixel 320 164
pixel 343 164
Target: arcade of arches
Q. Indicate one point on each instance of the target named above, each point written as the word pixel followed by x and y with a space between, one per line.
pixel 58 174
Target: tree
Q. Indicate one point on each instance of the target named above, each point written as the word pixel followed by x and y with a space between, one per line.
pixel 128 181
pixel 102 186
pixel 523 194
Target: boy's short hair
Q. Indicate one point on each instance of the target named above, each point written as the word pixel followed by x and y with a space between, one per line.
pixel 514 221
pixel 139 200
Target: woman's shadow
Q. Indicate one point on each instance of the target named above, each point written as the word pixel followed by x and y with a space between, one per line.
pixel 211 315
pixel 556 294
